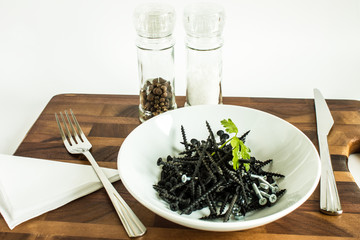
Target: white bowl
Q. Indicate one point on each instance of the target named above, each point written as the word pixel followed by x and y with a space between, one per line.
pixel 270 137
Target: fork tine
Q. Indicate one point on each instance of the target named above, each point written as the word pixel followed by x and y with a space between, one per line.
pixel 81 133
pixel 60 128
pixel 70 138
pixel 74 133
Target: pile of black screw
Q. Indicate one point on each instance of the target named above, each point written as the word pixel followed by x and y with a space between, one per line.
pixel 203 176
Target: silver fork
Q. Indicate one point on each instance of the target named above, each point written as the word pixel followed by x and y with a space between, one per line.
pixel 76 143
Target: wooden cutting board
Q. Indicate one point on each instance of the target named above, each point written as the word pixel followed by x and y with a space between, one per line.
pixel 108 119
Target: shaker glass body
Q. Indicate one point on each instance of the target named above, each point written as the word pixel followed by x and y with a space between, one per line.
pixel 204 24
pixel 204 75
pixel 154 23
pixel 156 74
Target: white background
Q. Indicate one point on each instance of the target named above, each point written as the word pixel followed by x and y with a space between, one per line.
pixel 273 48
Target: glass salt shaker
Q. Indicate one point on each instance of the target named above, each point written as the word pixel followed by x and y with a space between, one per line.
pixel 204 23
pixel 154 24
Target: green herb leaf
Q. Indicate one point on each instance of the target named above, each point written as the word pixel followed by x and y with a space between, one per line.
pixel 247 166
pixel 229 126
pixel 239 149
pixel 235 152
pixel 245 154
pixel 244 151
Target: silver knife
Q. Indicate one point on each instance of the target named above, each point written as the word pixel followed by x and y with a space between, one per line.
pixel 329 197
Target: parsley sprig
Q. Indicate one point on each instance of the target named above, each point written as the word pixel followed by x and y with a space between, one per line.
pixel 239 149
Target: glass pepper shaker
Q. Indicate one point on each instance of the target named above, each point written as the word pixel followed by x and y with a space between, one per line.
pixel 204 23
pixel 154 24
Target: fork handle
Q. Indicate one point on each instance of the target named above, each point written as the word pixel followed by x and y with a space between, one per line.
pixel 130 221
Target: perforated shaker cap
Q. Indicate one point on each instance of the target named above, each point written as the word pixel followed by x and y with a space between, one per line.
pixel 154 20
pixel 204 20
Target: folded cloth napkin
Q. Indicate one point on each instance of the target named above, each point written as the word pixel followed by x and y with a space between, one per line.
pixel 30 187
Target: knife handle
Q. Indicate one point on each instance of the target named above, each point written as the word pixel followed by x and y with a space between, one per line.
pixel 329 197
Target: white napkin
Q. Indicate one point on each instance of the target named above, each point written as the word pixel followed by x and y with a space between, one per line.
pixel 30 187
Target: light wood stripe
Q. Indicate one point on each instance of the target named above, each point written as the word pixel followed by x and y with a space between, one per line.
pixel 343 177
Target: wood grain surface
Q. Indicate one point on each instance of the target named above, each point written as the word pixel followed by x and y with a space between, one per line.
pixel 108 119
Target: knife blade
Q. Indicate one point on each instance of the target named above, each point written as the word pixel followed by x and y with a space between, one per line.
pixel 329 197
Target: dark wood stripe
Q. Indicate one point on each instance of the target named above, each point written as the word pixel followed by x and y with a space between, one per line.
pixel 339 163
pixel 14 236
pixel 111 130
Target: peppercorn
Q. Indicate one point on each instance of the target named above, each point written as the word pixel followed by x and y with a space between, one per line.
pixel 157 91
pixel 150 97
